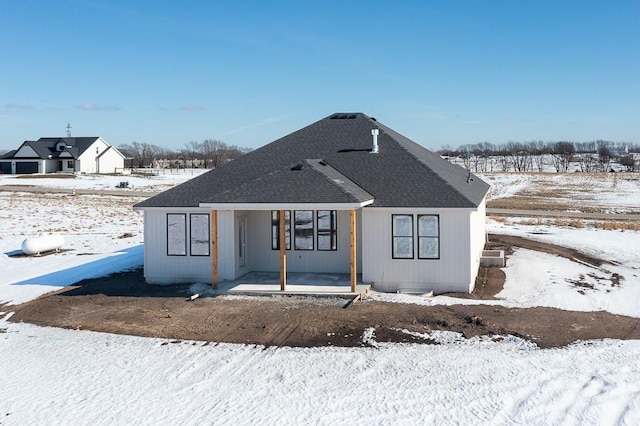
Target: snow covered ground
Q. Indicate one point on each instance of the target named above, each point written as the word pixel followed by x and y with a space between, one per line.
pixel 540 279
pixel 608 192
pixel 163 179
pixel 55 376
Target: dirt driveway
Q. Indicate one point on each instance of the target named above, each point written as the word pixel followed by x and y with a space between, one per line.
pixel 123 303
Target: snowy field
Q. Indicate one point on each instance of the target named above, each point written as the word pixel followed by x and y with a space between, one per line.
pixel 55 376
pixel 603 192
pixel 163 179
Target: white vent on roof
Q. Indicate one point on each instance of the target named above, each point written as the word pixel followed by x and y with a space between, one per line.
pixel 374 148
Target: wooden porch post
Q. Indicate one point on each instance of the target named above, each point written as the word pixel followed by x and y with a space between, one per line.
pixel 354 278
pixel 214 248
pixel 283 252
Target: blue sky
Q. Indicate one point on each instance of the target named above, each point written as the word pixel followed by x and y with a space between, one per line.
pixel 440 72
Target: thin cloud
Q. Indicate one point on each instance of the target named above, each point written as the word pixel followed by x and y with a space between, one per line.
pixel 89 106
pixel 17 106
pixel 258 124
pixel 193 108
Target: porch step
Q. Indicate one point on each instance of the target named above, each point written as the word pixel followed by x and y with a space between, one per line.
pixel 249 289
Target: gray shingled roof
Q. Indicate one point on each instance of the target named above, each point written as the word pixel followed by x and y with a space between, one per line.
pixel 401 174
pixel 47 146
pixel 9 154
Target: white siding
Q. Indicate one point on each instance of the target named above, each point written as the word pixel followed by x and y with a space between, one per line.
pixel 226 259
pixel 263 258
pixel 51 166
pixel 87 162
pixel 162 269
pixel 462 236
pixel 478 240
pixel 90 163
pixel 449 273
pixel 159 268
pixel 110 161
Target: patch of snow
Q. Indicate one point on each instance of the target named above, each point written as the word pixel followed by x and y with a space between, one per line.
pixel 164 180
pixel 98 378
pixel 369 336
pixel 58 376
pixel 613 192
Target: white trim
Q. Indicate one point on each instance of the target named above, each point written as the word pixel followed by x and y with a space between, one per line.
pixel 424 210
pixel 188 209
pixel 286 206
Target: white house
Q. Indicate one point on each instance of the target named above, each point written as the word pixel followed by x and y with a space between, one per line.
pixel 343 195
pixel 50 155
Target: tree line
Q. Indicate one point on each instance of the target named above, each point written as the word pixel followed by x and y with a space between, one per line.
pixel 210 153
pixel 595 156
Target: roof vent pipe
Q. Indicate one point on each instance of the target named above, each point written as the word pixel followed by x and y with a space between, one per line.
pixel 374 148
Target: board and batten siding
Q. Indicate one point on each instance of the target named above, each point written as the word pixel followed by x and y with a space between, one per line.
pixel 226 240
pixel 262 258
pixel 451 272
pixel 478 234
pixel 159 268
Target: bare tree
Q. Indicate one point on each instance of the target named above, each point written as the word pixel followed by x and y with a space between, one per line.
pixel 520 156
pixel 191 151
pixel 538 150
pixel 561 155
pixel 604 155
pixel 628 162
pixel 503 159
pixel 466 154
pixel 633 147
pixel 144 154
pixel 215 153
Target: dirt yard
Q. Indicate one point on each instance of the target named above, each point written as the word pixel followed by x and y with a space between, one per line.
pixel 123 303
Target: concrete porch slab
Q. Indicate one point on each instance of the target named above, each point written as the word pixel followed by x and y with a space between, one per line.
pixel 307 284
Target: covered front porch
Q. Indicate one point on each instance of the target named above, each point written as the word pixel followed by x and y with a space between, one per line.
pixel 288 249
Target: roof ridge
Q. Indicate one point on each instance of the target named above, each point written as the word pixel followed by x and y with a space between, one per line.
pixel 343 188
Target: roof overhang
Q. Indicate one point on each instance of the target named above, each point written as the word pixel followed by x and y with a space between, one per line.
pixel 286 206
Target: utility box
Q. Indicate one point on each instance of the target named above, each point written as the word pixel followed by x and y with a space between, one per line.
pixel 492 258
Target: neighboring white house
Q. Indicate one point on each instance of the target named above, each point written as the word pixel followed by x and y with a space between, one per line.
pixel 343 195
pixel 50 155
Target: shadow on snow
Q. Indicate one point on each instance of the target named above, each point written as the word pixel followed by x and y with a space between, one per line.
pixel 122 260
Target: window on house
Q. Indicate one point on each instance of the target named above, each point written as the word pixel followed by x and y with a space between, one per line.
pixel 69 164
pixel 303 229
pixel 428 237
pixel 200 234
pixel 402 231
pixel 176 234
pixel 275 229
pixel 327 230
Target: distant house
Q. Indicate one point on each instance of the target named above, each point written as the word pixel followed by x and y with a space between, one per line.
pixel 343 195
pixel 50 155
